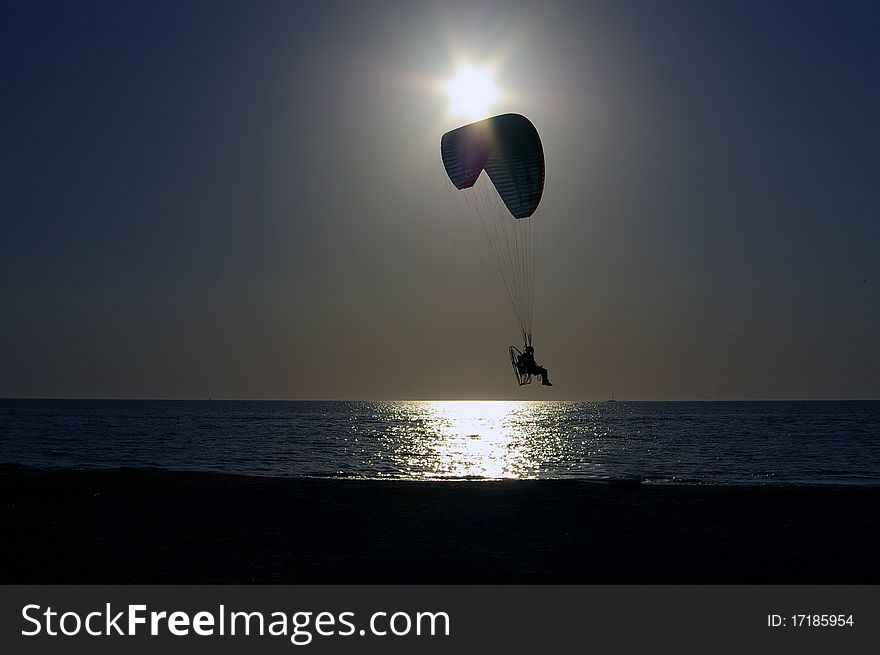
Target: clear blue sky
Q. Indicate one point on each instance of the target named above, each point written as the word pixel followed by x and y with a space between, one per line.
pixel 246 199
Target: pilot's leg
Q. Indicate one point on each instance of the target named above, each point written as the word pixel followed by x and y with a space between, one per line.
pixel 545 378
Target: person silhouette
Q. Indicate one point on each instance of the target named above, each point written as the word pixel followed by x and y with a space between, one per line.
pixel 528 364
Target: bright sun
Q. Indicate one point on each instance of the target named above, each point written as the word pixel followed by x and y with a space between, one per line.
pixel 472 92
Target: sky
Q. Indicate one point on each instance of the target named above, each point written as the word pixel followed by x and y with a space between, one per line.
pixel 246 200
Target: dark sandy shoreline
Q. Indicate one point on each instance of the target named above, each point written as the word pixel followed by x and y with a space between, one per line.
pixel 158 526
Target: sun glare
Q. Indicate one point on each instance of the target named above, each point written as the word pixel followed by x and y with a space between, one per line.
pixel 472 92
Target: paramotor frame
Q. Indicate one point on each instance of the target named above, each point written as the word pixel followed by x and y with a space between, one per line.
pixel 523 377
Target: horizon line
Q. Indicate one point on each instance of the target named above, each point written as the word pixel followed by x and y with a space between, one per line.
pixel 475 400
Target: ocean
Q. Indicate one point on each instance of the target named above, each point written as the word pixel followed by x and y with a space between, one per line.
pixel 727 443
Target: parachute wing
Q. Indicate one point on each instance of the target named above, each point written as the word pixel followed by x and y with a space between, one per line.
pixel 509 149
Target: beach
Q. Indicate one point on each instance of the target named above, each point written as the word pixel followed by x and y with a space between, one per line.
pixel 125 526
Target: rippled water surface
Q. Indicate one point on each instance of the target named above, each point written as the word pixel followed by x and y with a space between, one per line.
pixel 724 442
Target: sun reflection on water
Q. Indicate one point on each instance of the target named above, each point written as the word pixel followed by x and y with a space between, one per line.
pixel 481 439
pixel 473 439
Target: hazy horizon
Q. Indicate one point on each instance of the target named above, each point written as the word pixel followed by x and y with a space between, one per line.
pixel 443 400
pixel 246 201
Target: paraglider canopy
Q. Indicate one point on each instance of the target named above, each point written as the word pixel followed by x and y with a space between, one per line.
pixel 509 149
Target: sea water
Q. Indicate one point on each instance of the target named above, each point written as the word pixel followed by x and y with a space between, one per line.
pixel 684 442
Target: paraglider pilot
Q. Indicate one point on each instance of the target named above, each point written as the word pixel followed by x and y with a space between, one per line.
pixel 529 365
